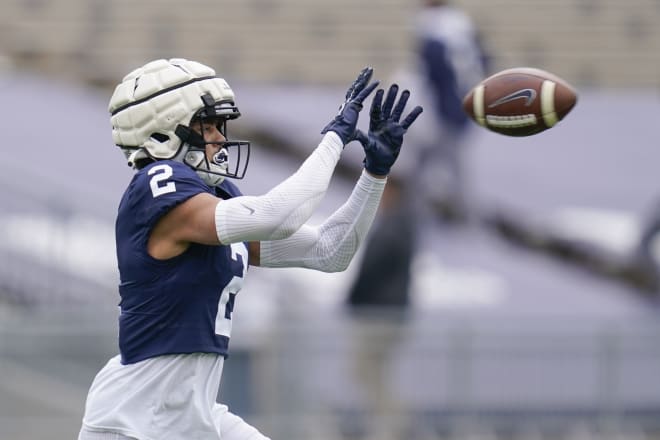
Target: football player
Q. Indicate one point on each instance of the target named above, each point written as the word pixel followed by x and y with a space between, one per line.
pixel 185 236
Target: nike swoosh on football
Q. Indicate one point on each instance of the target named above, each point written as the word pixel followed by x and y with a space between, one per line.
pixel 527 94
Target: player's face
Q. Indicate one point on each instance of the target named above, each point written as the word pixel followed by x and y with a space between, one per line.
pixel 211 133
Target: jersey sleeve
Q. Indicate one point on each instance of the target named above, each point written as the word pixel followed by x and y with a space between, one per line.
pixel 160 187
pixel 227 190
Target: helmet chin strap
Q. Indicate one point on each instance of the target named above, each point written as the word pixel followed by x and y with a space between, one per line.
pixel 211 172
pixel 210 179
pixel 194 155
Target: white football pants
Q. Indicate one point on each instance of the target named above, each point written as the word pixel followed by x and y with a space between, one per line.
pixel 232 427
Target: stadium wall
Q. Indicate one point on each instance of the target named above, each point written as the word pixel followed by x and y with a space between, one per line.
pixel 604 43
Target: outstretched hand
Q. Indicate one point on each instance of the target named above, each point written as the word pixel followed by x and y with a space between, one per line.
pixel 385 138
pixel 345 122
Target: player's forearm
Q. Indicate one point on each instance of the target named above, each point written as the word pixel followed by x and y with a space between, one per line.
pixel 284 209
pixel 331 246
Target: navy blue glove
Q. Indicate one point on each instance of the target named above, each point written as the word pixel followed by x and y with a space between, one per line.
pixel 346 120
pixel 383 143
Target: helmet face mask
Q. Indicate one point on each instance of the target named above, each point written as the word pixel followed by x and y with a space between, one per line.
pixel 152 114
pixel 230 159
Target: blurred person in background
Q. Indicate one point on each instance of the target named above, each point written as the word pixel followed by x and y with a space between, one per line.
pixel 378 301
pixel 449 60
pixel 185 236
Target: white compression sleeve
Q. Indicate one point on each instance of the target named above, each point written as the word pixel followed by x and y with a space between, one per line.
pixel 280 212
pixel 331 246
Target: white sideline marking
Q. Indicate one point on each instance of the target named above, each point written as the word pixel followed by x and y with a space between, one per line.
pixel 617 231
pixel 436 284
pixel 79 245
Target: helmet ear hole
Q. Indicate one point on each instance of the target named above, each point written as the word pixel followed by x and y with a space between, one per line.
pixel 160 137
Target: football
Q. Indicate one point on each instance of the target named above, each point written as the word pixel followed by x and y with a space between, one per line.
pixel 520 102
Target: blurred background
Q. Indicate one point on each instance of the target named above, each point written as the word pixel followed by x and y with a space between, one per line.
pixel 533 315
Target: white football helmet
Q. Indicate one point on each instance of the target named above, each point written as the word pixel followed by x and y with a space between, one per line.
pixel 152 110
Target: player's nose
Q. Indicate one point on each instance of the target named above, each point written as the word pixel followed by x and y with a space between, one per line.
pixel 218 136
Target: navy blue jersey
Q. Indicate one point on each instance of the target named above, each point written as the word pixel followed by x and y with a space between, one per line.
pixel 179 305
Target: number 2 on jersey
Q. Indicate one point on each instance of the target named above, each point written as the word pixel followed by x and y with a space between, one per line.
pixel 226 303
pixel 160 174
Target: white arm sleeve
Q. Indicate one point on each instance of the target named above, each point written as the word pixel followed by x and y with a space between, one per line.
pixel 285 208
pixel 331 246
